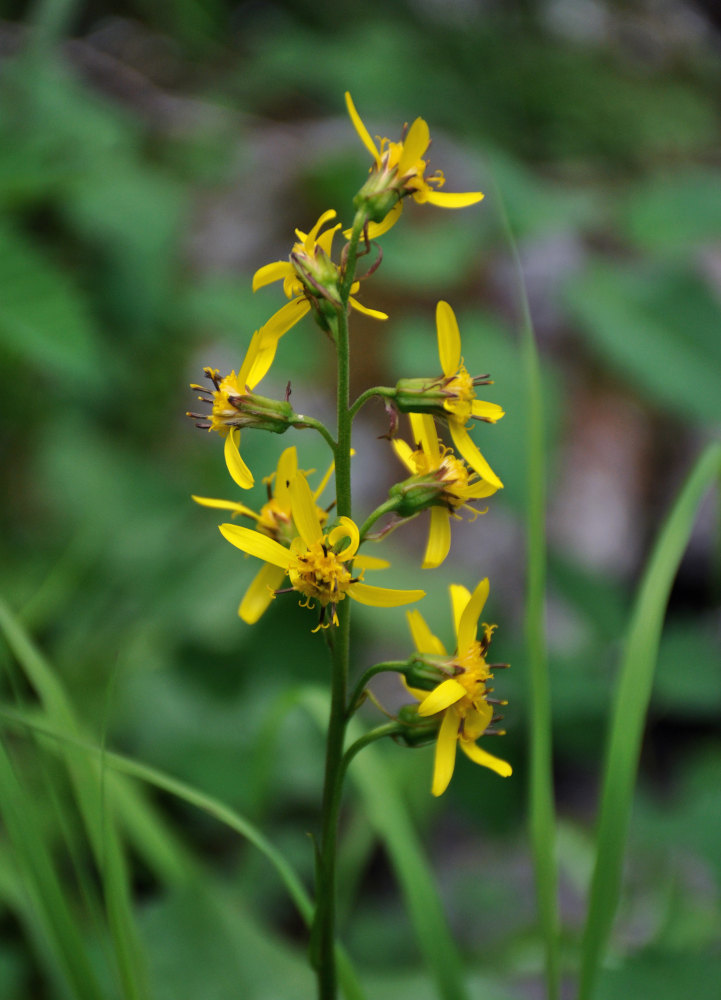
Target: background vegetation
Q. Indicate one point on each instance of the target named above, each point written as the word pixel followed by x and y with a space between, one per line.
pixel 151 158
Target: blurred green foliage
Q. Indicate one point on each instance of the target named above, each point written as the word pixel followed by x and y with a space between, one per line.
pixel 151 158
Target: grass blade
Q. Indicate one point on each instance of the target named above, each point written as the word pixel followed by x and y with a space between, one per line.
pixel 542 816
pixel 627 720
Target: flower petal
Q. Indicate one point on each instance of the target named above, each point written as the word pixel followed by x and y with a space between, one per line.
pixel 346 529
pixel 424 432
pixel 370 562
pixel 439 699
pixel 382 597
pixel 445 759
pixel 418 693
pixel 276 271
pixel 460 596
pixel 376 229
pixel 305 512
pixel 423 638
pixel 491 412
pixel 464 444
pixel 286 317
pixel 415 144
pixel 439 538
pixel 257 361
pixel 256 544
pixel 260 593
pixel 361 129
pixel 374 313
pixel 237 468
pixel 237 508
pixel 310 240
pixel 486 759
pixel 286 471
pixel 404 451
pixel 445 199
pixel 468 624
pixel 449 339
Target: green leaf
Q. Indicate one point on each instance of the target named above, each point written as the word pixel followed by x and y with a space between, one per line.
pixel 629 712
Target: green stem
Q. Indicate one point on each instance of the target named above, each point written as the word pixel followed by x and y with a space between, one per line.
pixel 385 508
pixel 316 425
pixel 376 390
pixel 323 934
pixel 390 666
pixel 389 729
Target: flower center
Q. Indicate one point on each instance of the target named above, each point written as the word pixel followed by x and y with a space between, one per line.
pixel 455 478
pixel 276 522
pixel 320 574
pixel 472 675
pixel 460 394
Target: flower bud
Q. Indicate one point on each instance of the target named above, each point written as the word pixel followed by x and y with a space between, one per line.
pixel 420 395
pixel 417 493
pixel 417 731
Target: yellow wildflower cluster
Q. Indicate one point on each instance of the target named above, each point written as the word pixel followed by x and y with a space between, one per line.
pixel 318 552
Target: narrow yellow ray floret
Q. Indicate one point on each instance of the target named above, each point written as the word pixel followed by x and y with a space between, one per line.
pixel 462 698
pixel 399 168
pixel 318 562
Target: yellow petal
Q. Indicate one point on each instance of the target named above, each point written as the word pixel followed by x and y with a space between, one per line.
pixel 445 758
pixel 425 641
pixel 346 529
pixel 382 597
pixel 485 759
pixel 449 339
pixel 324 481
pixel 424 432
pixel 256 544
pixel 490 412
pixel 376 229
pixel 325 240
pixel 373 313
pixel 370 562
pixel 305 512
pixel 266 275
pixel 260 593
pixel 444 199
pixel 446 694
pixel 417 693
pixel 466 447
pixel 480 490
pixel 286 317
pixel 477 720
pixel 312 236
pixel 286 471
pixel 361 129
pixel 460 596
pixel 237 468
pixel 439 538
pixel 415 144
pixel 404 451
pixel 237 508
pixel 468 624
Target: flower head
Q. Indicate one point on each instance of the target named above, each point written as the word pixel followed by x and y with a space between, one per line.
pixel 275 520
pixel 320 564
pixel 310 278
pixel 399 170
pixel 460 701
pixel 451 397
pixel 440 481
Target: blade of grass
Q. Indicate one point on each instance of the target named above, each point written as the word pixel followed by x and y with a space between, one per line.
pixel 542 815
pixel 629 712
pixel 64 742
pixel 389 815
pixel 60 931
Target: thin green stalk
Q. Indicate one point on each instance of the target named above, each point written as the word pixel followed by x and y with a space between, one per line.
pixel 541 803
pixel 316 425
pixel 388 507
pixel 394 666
pixel 377 390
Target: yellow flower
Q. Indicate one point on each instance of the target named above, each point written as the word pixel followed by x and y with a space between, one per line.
pixel 274 520
pixel 447 481
pixel 461 700
pixel 452 397
pixel 399 169
pixel 317 562
pixel 308 277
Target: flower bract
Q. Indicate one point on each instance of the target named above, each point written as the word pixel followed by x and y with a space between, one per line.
pixel 319 564
pixel 448 483
pixel 461 701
